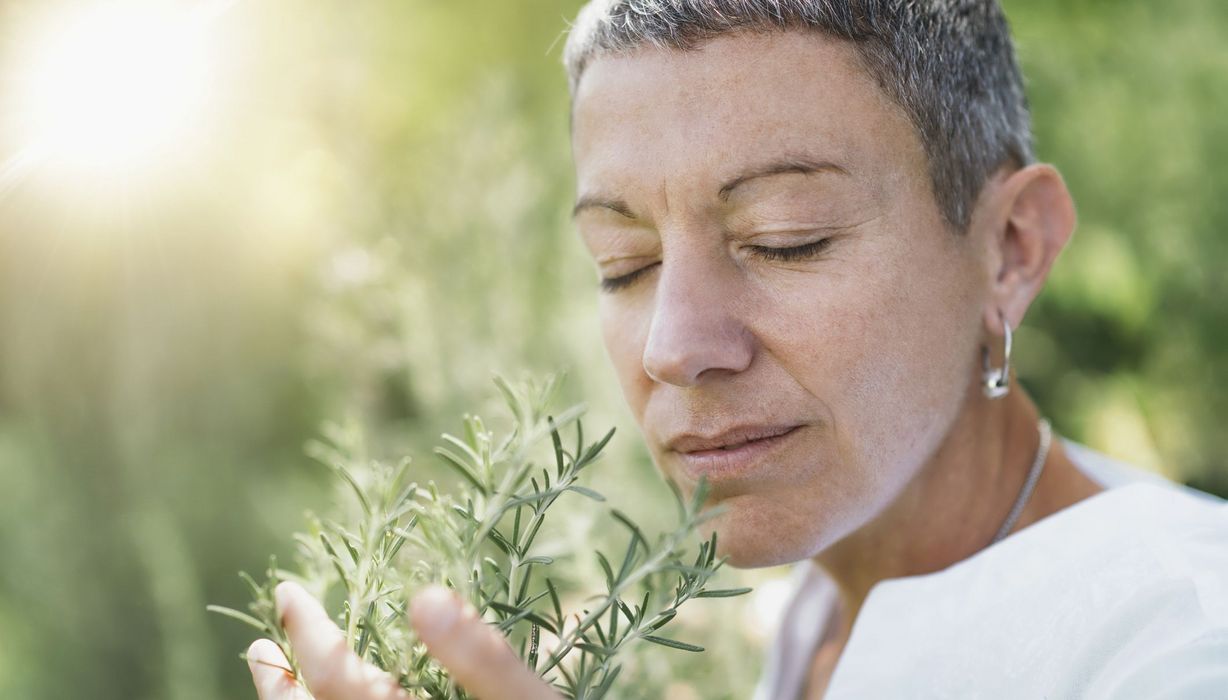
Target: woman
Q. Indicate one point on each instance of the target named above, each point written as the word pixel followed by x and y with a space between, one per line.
pixel 817 223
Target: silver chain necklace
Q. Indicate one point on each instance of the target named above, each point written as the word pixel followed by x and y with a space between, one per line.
pixel 1038 464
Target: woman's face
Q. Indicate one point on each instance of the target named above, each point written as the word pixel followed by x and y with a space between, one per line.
pixel 777 265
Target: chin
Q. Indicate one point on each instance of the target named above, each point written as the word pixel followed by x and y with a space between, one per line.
pixel 753 536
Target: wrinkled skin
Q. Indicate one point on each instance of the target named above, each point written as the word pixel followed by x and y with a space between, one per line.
pixel 870 345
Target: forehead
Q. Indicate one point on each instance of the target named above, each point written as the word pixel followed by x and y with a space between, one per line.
pixel 658 115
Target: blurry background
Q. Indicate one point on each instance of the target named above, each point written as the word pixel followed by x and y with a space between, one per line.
pixel 224 223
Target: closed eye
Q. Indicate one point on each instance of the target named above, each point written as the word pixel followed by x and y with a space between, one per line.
pixel 801 252
pixel 613 284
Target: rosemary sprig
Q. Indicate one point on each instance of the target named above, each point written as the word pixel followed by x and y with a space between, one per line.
pixel 398 535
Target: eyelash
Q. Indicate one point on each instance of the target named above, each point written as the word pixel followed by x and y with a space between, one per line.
pixel 801 252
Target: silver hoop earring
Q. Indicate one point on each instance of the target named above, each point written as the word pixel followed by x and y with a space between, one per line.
pixel 997 380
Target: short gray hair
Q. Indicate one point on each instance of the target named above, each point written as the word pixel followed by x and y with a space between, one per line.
pixel 950 64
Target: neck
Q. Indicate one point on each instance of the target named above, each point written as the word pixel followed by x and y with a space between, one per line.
pixel 958 500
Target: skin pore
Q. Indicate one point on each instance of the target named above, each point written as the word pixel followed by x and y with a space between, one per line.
pixel 773 254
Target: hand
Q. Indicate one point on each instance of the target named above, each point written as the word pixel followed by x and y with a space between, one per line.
pixel 475 653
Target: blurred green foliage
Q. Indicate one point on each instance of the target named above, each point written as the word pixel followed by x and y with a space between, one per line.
pixel 378 222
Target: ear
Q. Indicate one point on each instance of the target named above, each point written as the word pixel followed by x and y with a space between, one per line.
pixel 1030 216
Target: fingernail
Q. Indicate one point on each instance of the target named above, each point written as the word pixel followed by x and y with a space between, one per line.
pixel 435 611
pixel 255 652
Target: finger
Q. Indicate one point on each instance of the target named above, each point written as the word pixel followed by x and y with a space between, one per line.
pixel 330 669
pixel 271 672
pixel 475 653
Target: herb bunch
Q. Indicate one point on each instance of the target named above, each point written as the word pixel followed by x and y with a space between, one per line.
pixel 482 540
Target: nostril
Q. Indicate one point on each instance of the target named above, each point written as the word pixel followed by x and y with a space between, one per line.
pixel 696 330
pixel 686 355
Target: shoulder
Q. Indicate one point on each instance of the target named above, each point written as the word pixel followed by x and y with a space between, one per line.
pixel 1173 531
pixel 1156 571
pixel 1143 520
pixel 1143 541
pixel 1126 587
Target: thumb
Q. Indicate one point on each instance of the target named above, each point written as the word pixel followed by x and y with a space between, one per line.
pixel 332 671
pixel 475 654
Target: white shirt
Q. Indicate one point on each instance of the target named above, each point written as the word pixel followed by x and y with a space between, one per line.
pixel 1122 595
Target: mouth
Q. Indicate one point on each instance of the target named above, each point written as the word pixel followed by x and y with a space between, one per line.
pixel 733 454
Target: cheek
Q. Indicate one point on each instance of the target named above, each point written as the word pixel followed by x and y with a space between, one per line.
pixel 623 332
pixel 888 351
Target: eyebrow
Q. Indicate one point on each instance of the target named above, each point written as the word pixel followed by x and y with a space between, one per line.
pixel 802 165
pixel 599 202
pixel 799 165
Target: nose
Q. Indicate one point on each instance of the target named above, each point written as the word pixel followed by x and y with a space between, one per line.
pixel 695 330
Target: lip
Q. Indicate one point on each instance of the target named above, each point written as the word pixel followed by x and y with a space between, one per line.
pixel 751 445
pixel 689 442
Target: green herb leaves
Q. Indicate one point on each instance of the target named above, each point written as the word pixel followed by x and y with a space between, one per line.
pixel 396 536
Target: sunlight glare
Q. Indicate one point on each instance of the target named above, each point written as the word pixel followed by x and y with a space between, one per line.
pixel 112 87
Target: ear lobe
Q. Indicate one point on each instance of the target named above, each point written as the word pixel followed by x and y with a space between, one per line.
pixel 1038 218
